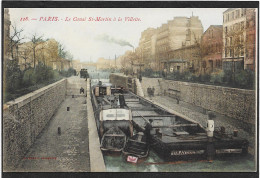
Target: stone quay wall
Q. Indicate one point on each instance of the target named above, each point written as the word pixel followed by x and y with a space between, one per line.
pixel 25 117
pixel 232 102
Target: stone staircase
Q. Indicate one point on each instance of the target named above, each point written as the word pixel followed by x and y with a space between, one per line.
pixel 139 87
pixel 151 82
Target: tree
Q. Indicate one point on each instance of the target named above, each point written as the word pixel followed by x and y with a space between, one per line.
pixel 48 52
pixel 62 52
pixel 200 52
pixel 12 74
pixel 14 40
pixel 25 55
pixel 35 41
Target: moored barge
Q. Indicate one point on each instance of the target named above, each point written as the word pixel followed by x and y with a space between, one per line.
pixel 113 118
pixel 175 138
pixel 172 137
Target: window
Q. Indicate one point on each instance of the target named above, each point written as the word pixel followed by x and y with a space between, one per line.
pixel 242 25
pixel 238 26
pixel 233 17
pixel 237 13
pixel 120 115
pixel 242 51
pixel 242 38
pixel 217 63
pixel 230 41
pixel 204 64
pixel 226 30
pixel 231 52
pixel 110 115
pixel 226 17
pixel 244 9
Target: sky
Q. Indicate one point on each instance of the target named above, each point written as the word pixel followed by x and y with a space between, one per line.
pixel 89 40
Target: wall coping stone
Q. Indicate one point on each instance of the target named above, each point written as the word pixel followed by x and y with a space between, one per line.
pixel 212 86
pixel 22 100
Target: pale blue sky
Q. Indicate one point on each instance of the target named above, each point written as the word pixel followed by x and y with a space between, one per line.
pixel 80 37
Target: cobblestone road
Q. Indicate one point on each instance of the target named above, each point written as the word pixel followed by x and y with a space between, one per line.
pixel 67 152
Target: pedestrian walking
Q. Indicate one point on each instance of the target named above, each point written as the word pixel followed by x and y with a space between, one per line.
pixel 81 90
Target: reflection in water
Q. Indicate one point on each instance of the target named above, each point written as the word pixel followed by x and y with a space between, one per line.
pixel 118 164
pixel 154 164
pixel 95 81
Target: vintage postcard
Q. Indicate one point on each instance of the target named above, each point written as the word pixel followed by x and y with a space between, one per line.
pixel 88 88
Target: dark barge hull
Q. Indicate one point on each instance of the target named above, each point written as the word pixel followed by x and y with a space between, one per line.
pixel 175 138
pixel 113 141
pixel 198 150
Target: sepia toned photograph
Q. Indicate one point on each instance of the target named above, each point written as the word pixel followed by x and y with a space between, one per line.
pixel 129 89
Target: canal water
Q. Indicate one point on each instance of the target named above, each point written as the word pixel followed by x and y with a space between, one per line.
pixel 155 164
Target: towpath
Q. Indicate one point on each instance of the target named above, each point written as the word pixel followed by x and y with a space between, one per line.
pixel 69 150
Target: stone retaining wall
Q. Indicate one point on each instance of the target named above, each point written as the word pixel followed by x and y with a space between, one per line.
pixel 24 119
pixel 232 102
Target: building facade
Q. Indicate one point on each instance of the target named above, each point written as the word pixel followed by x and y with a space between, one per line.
pixel 211 48
pixel 186 58
pixel 250 57
pixel 156 45
pixel 147 52
pixel 180 33
pixel 7 24
pixel 162 45
pixel 238 39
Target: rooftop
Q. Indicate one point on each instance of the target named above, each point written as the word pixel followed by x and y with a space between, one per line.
pixel 175 61
pixel 230 9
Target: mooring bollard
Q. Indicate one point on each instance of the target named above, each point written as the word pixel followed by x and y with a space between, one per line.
pixel 59 130
pixel 72 96
pixel 210 149
pixel 68 108
pixel 235 133
pixel 210 144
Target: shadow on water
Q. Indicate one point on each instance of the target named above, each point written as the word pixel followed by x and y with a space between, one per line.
pixel 155 164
